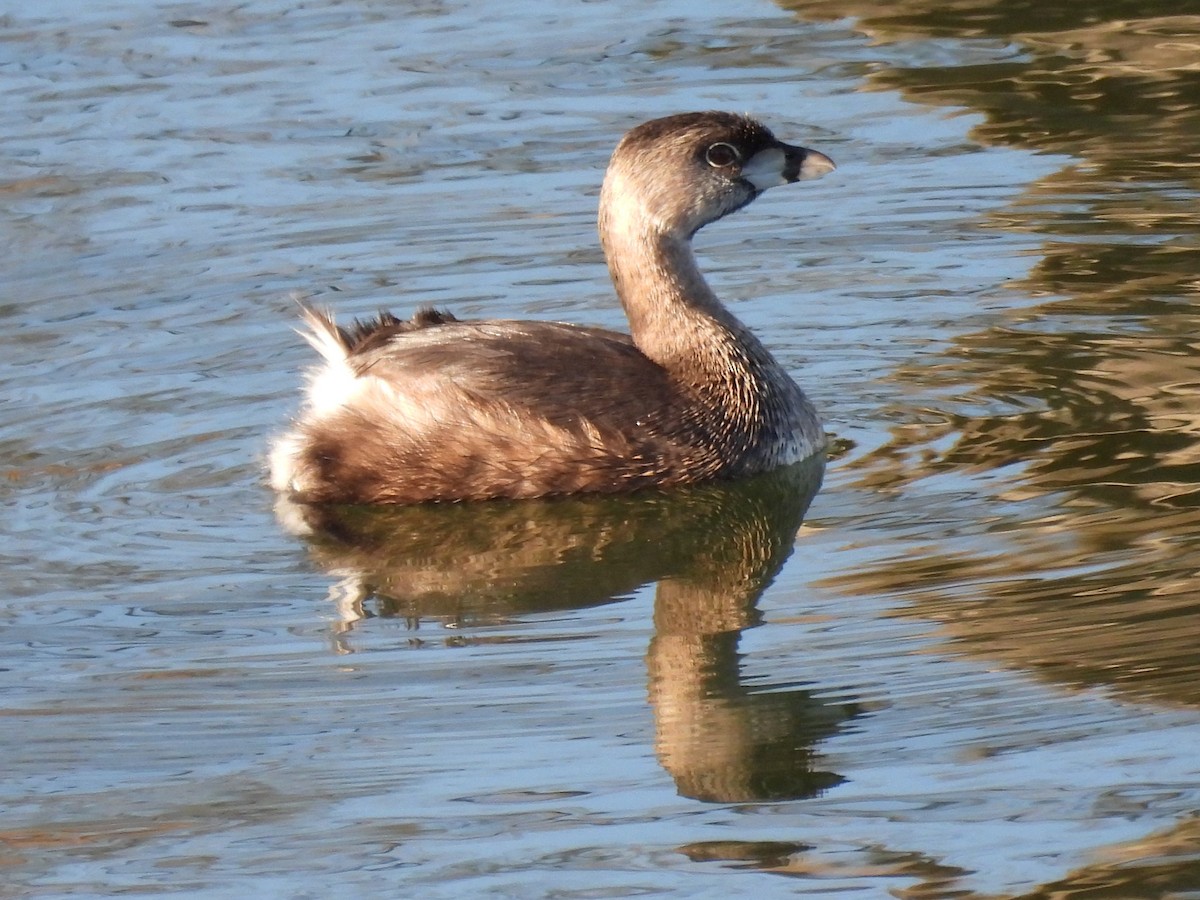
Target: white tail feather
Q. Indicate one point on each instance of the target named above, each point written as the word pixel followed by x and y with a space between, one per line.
pixel 323 335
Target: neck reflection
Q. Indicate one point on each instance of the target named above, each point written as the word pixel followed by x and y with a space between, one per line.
pixel 713 549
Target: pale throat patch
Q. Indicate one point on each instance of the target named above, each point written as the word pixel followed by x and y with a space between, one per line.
pixel 765 168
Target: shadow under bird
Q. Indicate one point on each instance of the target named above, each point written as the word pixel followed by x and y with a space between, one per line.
pixel 440 409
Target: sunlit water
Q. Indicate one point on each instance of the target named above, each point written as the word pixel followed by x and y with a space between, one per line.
pixel 974 675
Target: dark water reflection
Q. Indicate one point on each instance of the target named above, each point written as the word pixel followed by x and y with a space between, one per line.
pixel 1072 422
pixel 1083 406
pixel 711 550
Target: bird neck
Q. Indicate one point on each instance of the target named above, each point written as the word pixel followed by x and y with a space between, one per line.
pixel 674 316
pixel 663 291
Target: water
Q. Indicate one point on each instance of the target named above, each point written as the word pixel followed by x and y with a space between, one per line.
pixel 970 672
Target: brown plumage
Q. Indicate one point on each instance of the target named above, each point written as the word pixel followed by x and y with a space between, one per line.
pixel 441 409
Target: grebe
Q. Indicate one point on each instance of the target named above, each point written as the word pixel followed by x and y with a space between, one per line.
pixel 440 409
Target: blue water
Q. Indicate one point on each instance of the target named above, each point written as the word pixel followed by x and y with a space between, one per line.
pixel 979 655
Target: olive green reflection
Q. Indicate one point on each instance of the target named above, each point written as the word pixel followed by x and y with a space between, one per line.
pixel 1114 86
pixel 713 549
pixel 1091 79
pixel 1160 865
pixel 1084 564
pixel 1074 421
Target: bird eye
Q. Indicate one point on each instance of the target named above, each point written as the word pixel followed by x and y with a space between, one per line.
pixel 721 154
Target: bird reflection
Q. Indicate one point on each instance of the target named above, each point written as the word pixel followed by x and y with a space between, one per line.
pixel 712 549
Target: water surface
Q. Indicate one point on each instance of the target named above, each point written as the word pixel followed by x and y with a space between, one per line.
pixel 969 671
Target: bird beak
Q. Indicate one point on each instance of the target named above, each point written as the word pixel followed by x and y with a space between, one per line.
pixel 803 164
pixel 784 164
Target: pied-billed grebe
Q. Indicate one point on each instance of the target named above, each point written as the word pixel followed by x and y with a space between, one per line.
pixel 439 409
